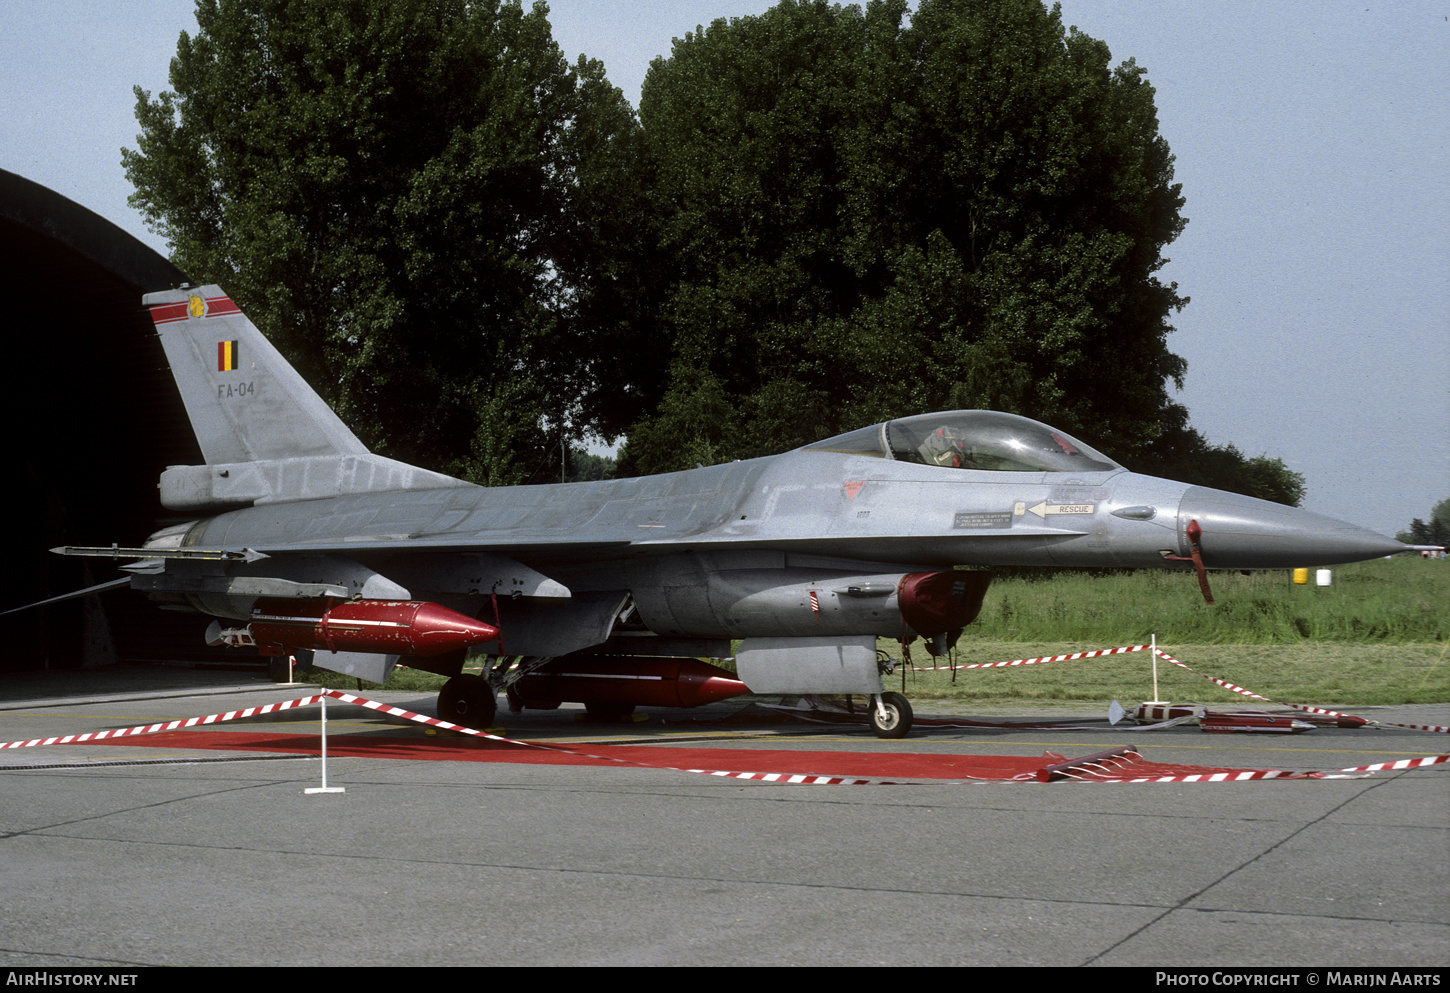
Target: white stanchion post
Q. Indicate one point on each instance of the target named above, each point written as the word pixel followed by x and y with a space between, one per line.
pixel 1153 650
pixel 324 788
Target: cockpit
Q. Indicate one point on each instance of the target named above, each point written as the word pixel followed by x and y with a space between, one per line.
pixel 972 439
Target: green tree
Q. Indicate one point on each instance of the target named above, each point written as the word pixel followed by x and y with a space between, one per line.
pixel 423 205
pixel 866 218
pixel 1435 532
pixel 1179 452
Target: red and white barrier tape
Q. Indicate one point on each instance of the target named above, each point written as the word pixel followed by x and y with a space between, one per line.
pixel 1087 772
pixel 774 777
pixel 832 715
pixel 1168 658
pixel 390 710
pixel 1045 658
pixel 1419 763
pixel 1297 706
pixel 230 715
pixel 1113 772
pixel 1249 774
pixel 1118 769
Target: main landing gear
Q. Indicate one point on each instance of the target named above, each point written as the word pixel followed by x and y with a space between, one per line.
pixel 472 701
pixel 890 715
pixel 468 700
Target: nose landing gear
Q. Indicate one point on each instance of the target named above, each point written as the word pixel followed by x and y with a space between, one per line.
pixel 890 715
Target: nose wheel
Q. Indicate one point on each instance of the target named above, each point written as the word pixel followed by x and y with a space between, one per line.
pixel 890 715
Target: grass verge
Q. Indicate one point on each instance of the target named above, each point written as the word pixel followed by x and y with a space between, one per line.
pixel 1327 673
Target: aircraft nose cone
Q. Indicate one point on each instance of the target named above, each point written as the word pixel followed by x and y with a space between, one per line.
pixel 1241 532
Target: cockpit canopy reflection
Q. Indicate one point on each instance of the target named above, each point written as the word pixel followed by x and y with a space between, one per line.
pixel 972 439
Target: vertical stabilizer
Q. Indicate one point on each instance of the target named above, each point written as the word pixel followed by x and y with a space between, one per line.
pixel 245 402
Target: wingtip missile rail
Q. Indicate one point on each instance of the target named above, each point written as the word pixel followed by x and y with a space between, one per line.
pixel 198 554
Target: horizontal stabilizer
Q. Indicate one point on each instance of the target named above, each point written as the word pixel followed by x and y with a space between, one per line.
pixel 204 488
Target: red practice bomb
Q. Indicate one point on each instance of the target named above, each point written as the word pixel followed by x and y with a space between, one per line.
pixel 390 627
pixel 628 680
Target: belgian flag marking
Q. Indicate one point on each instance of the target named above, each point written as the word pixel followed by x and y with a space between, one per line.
pixel 227 356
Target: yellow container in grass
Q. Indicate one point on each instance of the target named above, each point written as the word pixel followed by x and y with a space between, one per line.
pixel 1301 577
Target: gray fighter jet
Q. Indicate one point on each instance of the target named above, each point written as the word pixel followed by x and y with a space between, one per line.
pixel 611 593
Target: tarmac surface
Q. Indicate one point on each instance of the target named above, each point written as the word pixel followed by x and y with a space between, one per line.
pixel 442 851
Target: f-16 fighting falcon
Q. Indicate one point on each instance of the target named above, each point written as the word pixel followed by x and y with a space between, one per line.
pixel 611 593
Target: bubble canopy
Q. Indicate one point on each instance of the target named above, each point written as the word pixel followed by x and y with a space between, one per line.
pixel 972 439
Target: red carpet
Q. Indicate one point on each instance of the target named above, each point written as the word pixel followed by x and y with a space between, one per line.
pixel 914 765
pixel 865 765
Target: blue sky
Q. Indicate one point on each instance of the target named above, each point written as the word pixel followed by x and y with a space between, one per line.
pixel 1312 142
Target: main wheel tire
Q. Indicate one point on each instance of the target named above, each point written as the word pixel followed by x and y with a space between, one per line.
pixel 468 700
pixel 897 721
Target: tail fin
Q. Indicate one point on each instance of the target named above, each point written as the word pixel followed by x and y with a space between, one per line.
pixel 245 402
pixel 265 434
